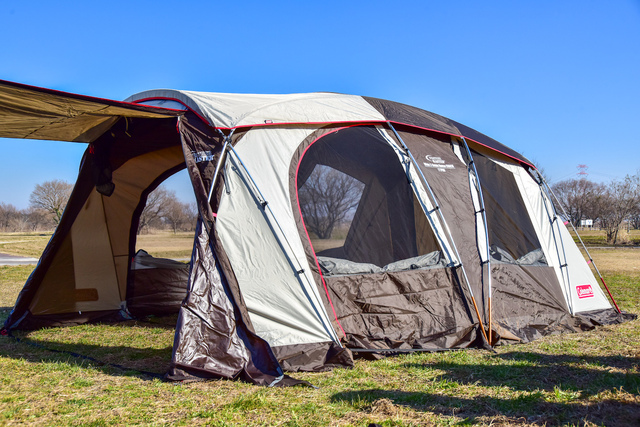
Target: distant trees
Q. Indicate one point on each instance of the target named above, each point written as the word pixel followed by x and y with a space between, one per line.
pixel 49 199
pixel 622 200
pixel 13 219
pixel 164 209
pixel 52 197
pixel 327 198
pixel 8 216
pixel 610 205
pixel 581 198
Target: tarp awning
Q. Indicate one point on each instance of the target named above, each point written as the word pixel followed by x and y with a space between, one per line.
pixel 36 113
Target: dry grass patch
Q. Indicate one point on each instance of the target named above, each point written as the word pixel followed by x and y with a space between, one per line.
pixel 617 260
pixel 166 244
pixel 24 244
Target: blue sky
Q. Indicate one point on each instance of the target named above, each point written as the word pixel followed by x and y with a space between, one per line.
pixel 558 81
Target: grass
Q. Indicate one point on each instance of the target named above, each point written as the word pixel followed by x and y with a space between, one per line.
pixel 164 244
pixel 24 244
pixel 591 378
pixel 598 237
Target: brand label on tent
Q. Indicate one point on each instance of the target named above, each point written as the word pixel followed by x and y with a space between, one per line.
pixel 437 163
pixel 584 291
pixel 203 156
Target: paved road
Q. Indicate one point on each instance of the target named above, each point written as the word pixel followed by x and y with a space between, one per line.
pixel 16 260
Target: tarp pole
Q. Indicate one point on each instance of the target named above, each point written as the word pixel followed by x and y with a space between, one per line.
pixel 446 226
pixel 478 186
pixel 591 261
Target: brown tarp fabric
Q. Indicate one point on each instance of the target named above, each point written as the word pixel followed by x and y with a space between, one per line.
pixel 315 357
pixel 527 303
pixel 37 113
pixel 451 187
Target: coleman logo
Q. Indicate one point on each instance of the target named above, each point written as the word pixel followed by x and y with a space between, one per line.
pixel 437 163
pixel 584 291
pixel 202 156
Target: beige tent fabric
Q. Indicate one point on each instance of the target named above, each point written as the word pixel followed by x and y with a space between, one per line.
pixel 34 113
pixel 235 110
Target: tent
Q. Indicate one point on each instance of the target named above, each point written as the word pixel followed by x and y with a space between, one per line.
pixel 329 225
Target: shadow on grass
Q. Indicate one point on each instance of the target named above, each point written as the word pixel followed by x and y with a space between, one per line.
pixel 142 362
pixel 538 388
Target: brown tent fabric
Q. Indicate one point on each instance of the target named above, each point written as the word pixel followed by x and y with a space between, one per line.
pixel 156 286
pixel 407 115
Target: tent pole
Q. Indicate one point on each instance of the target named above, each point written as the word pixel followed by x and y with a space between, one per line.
pixel 223 155
pixel 591 261
pixel 290 253
pixel 547 200
pixel 446 226
pixel 478 186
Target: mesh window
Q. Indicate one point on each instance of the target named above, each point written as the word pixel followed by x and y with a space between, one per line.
pixel 512 238
pixel 358 207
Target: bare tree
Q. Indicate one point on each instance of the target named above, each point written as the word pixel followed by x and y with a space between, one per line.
pixel 155 209
pixel 52 196
pixel 635 217
pixel 581 198
pixel 621 200
pixel 8 216
pixel 179 215
pixel 36 219
pixel 327 198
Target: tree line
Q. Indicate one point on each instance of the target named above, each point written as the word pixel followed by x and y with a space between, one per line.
pixel 610 206
pixel 48 200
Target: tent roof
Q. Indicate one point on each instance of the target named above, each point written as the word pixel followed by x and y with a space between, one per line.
pixel 228 111
pixel 38 113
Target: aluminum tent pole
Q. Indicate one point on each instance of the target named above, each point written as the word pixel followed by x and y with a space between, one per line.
pixel 483 212
pixel 223 155
pixel 446 226
pixel 554 219
pixel 289 253
pixel 591 261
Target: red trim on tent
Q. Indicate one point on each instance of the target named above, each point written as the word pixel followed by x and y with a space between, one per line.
pixel 363 123
pixel 305 228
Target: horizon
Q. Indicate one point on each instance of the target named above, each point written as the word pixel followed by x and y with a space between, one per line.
pixel 555 82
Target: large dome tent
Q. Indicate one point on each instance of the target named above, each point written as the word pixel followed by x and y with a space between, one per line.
pixel 329 225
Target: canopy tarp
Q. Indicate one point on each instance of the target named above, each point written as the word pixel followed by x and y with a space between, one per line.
pixel 36 113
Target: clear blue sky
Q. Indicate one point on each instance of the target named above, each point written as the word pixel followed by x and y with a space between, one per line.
pixel 558 81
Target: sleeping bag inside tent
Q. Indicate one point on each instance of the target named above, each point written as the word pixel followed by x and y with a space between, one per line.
pixel 329 226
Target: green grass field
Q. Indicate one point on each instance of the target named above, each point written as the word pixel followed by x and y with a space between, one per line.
pixel 591 378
